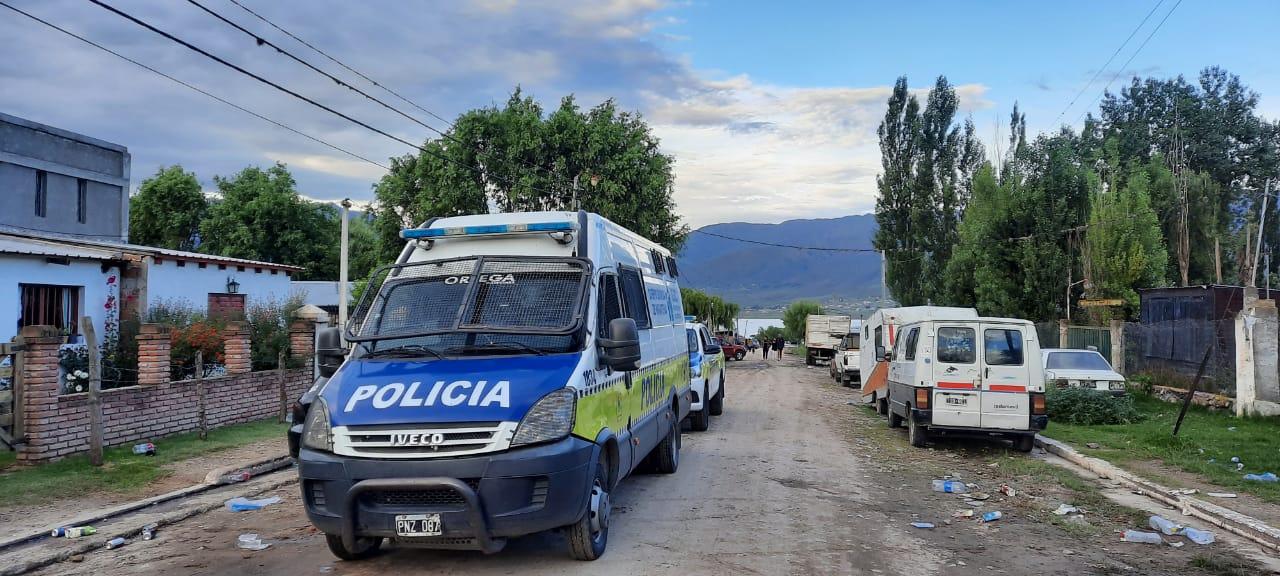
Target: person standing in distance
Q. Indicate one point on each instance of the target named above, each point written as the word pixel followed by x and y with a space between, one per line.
pixel 777 345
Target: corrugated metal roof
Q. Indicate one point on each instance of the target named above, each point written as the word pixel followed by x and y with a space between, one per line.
pixel 34 247
pixel 70 244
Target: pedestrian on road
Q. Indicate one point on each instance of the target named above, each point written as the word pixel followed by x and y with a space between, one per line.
pixel 777 345
pixel 764 347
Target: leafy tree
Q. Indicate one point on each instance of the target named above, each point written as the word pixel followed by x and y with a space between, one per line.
pixel 518 158
pixel 927 163
pixel 710 310
pixel 1125 247
pixel 769 333
pixel 167 210
pixel 364 246
pixel 260 216
pixel 793 318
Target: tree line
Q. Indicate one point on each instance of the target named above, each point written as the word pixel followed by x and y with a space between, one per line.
pixel 517 157
pixel 1162 187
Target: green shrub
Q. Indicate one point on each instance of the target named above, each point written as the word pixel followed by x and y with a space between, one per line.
pixel 1090 407
pixel 269 331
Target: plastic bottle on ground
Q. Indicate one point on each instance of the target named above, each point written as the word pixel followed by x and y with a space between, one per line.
pixel 1141 537
pixel 1198 536
pixel 992 516
pixel 78 531
pixel 949 486
pixel 1165 525
pixel 1265 477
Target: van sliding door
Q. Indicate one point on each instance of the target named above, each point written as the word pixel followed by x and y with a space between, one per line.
pixel 957 396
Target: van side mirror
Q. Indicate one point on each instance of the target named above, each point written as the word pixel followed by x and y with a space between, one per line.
pixel 621 350
pixel 714 349
pixel 329 350
pixel 882 355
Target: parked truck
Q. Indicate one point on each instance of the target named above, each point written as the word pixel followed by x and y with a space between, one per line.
pixel 821 335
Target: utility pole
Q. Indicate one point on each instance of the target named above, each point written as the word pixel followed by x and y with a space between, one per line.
pixel 1262 225
pixel 884 272
pixel 342 266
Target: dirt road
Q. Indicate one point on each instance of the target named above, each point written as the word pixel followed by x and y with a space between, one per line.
pixel 791 480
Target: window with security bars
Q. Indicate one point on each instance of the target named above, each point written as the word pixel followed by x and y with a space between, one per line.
pixel 47 305
pixel 633 297
pixel 453 303
pixel 610 303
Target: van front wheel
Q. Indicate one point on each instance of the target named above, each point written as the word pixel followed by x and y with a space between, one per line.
pixel 917 434
pixel 365 547
pixel 589 535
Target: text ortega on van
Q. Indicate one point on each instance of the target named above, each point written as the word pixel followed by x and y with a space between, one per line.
pixel 455 393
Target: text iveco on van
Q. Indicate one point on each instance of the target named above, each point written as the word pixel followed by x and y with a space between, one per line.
pixel 503 377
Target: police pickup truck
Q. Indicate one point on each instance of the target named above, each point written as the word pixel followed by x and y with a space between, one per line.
pixel 502 378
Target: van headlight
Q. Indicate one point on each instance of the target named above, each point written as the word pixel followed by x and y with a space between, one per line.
pixel 316 433
pixel 551 418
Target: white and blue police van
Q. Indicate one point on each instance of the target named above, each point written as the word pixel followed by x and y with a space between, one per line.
pixel 501 379
pixel 706 373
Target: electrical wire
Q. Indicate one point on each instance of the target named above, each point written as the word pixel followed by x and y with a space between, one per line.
pixel 192 87
pixel 342 64
pixel 285 90
pixel 264 42
pixel 792 246
pixel 1131 57
pixel 1108 62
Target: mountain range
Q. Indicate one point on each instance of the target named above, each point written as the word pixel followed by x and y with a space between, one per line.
pixel 769 277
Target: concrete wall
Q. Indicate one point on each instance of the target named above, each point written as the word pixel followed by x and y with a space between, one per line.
pixel 169 282
pixel 95 294
pixel 27 147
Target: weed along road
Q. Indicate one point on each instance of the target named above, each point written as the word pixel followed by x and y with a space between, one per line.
pixel 791 479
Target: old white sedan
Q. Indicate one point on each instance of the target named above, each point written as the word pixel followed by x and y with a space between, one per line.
pixel 1065 368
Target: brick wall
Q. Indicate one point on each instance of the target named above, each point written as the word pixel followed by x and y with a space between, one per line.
pixel 58 425
pixel 142 413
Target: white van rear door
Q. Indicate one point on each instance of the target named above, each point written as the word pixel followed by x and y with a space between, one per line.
pixel 957 400
pixel 1005 375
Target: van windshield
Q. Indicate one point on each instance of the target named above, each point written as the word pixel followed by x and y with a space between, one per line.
pixel 474 305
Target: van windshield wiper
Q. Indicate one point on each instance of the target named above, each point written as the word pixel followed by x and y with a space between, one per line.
pixel 497 346
pixel 406 351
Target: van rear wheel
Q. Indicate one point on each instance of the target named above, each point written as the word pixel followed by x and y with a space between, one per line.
pixel 895 421
pixel 666 456
pixel 1025 443
pixel 917 434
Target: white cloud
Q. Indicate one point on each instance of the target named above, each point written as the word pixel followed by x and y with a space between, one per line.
pixel 764 153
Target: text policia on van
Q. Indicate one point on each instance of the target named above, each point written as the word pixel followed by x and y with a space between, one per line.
pixel 501 379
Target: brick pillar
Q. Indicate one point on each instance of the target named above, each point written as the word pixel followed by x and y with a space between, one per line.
pixel 39 393
pixel 239 355
pixel 153 354
pixel 302 341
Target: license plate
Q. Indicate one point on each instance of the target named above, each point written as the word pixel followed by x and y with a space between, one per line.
pixel 419 525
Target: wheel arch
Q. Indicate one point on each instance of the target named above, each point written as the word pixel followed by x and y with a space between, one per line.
pixel 607 444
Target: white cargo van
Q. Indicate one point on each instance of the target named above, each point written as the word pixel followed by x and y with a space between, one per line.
pixel 967 377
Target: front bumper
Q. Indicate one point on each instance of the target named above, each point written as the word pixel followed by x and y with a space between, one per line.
pixel 925 418
pixel 481 499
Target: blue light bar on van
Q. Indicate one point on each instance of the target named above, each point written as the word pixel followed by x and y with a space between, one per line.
pixel 491 229
pixel 690 318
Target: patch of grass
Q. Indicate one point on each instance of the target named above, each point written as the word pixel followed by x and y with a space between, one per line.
pixel 7 459
pixel 1083 493
pixel 1205 445
pixel 1223 565
pixel 122 470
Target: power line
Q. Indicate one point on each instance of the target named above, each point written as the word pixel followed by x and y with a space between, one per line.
pixel 342 64
pixel 1132 56
pixel 1107 63
pixel 192 87
pixel 280 88
pixel 263 41
pixel 815 248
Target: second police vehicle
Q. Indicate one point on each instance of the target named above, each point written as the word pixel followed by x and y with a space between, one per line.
pixel 706 370
pixel 503 376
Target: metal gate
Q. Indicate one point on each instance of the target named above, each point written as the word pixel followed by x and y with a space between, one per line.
pixel 1082 337
pixel 10 416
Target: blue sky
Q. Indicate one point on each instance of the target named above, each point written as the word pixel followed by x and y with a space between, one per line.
pixel 770 108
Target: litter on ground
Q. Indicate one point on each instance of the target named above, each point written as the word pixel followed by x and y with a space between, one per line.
pixel 1064 509
pixel 242 504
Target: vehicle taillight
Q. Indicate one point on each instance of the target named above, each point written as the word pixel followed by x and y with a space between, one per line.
pixel 922 398
pixel 1037 403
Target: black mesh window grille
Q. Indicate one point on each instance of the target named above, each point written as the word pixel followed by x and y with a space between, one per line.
pixel 610 305
pixel 504 294
pixel 633 295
